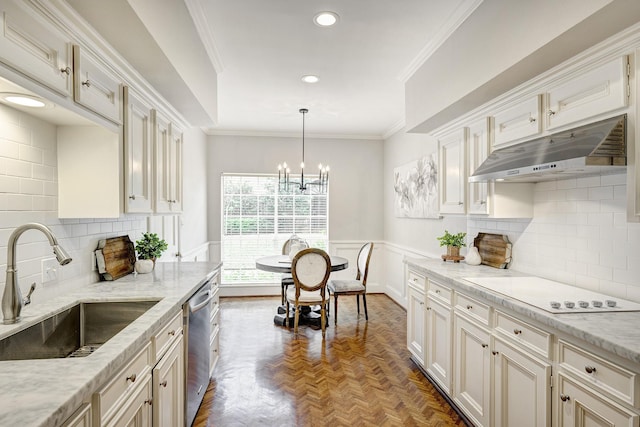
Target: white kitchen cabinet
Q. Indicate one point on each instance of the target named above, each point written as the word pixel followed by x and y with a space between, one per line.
pixel 168 386
pixel 479 145
pixel 167 165
pixel 167 227
pixel 32 45
pixel 438 341
pixel 604 88
pixel 522 387
pixel 416 319
pixel 579 406
pixel 472 369
pixel 89 172
pixel 95 86
pixel 138 153
pixel 81 418
pixel 517 122
pixel 453 172
pixel 137 412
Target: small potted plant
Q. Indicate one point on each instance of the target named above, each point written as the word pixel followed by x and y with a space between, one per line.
pixel 149 247
pixel 453 242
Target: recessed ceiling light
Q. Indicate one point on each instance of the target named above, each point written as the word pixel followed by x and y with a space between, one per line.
pixel 310 78
pixel 325 19
pixel 23 100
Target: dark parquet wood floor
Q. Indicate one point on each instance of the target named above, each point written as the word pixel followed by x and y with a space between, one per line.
pixel 360 376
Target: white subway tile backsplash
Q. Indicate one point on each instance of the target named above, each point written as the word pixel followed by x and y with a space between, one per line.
pixel 30 154
pixel 578 194
pixel 566 183
pixel 614 179
pixel 19 202
pixel 601 193
pixel 18 168
pixel 31 186
pixel 44 172
pixel 9 184
pixel 588 181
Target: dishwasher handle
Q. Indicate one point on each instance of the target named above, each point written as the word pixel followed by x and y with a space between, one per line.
pixel 203 304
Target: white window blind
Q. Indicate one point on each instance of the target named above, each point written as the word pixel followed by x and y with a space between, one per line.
pixel 258 217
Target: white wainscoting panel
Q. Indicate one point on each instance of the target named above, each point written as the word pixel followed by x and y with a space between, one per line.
pixel 395 278
pixel 198 254
pixel 350 251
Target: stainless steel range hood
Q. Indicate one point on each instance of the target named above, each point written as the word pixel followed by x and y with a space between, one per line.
pixel 591 149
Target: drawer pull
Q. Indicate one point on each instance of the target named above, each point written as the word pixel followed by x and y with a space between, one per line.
pixel 132 378
pixel 551 113
pixel 485 345
pixel 532 119
pixel 590 369
pixel 469 307
pixel 86 83
pixel 565 397
pixel 428 308
pixel 66 71
pixel 517 331
pixel 148 402
pixel 495 353
pixel 172 332
pixel 415 279
pixel 437 291
pixel 163 383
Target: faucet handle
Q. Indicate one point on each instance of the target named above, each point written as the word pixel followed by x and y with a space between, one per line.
pixel 27 299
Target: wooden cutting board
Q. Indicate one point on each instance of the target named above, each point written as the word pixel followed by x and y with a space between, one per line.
pixel 115 257
pixel 494 249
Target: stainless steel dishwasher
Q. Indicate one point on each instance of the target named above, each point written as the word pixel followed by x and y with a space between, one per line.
pixel 197 311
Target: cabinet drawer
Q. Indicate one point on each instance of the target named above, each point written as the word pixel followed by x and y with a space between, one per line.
pixel 524 334
pixel 215 323
pixel 164 338
pixel 417 280
pixel 215 300
pixel 214 345
pixel 602 374
pixel 477 310
pixel 440 292
pixel 108 400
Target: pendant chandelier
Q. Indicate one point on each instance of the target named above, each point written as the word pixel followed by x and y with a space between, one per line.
pixel 317 185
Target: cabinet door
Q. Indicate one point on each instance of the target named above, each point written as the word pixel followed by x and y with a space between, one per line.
pixel 161 165
pixel 472 370
pixel 438 343
pixel 95 86
pixel 522 388
pixel 33 46
pixel 168 387
pixel 577 407
pixel 595 92
pixel 175 169
pixel 416 324
pixel 517 122
pixel 81 418
pixel 137 411
pixel 138 153
pixel 167 227
pixel 453 175
pixel 478 152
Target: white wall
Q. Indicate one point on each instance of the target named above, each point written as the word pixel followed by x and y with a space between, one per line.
pixel 194 163
pixel 28 193
pixel 579 235
pixel 355 197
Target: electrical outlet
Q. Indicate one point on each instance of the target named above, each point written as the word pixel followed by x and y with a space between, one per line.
pixel 49 270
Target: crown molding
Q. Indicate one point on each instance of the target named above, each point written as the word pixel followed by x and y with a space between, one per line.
pixel 462 12
pixel 219 132
pixel 399 125
pixel 197 13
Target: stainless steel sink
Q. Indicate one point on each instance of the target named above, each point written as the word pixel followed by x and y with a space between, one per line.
pixel 75 332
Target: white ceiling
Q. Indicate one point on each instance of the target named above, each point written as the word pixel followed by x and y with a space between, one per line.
pixel 261 49
pixel 265 47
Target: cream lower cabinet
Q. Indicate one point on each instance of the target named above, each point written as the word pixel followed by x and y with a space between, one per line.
pixel 522 387
pixel 438 335
pixel 168 387
pixel 137 412
pixel 472 369
pixel 214 340
pixel 416 317
pixel 81 418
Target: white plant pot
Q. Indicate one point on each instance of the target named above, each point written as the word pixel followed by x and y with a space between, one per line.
pixel 144 266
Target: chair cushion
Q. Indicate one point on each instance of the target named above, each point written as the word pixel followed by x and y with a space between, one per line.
pixel 306 297
pixel 344 286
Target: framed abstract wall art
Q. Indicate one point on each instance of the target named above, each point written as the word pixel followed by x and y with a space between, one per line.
pixel 416 188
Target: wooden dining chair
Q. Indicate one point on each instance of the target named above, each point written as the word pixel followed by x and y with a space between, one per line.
pixel 355 287
pixel 310 269
pixel 287 279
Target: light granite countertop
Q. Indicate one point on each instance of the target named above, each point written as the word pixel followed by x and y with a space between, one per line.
pixel 47 392
pixel 616 332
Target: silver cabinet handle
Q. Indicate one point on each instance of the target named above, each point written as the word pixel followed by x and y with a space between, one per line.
pixel 163 383
pixel 66 71
pixel 495 353
pixel 485 345
pixel 551 113
pixel 469 307
pixel 532 119
pixel 565 397
pixel 86 83
pixel 517 331
pixel 132 197
pixel 437 291
pixel 590 369
pixel 132 378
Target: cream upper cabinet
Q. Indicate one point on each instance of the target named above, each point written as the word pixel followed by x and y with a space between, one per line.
pixel 517 122
pixel 522 387
pixel 479 140
pixel 600 90
pixel 453 172
pixel 167 165
pixel 95 86
pixel 32 45
pixel 137 153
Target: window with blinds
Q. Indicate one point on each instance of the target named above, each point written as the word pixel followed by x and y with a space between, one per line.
pixel 258 217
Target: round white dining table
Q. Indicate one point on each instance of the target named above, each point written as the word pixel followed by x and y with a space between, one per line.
pixel 282 263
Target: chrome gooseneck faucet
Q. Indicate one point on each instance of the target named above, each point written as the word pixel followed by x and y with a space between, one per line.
pixel 12 301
